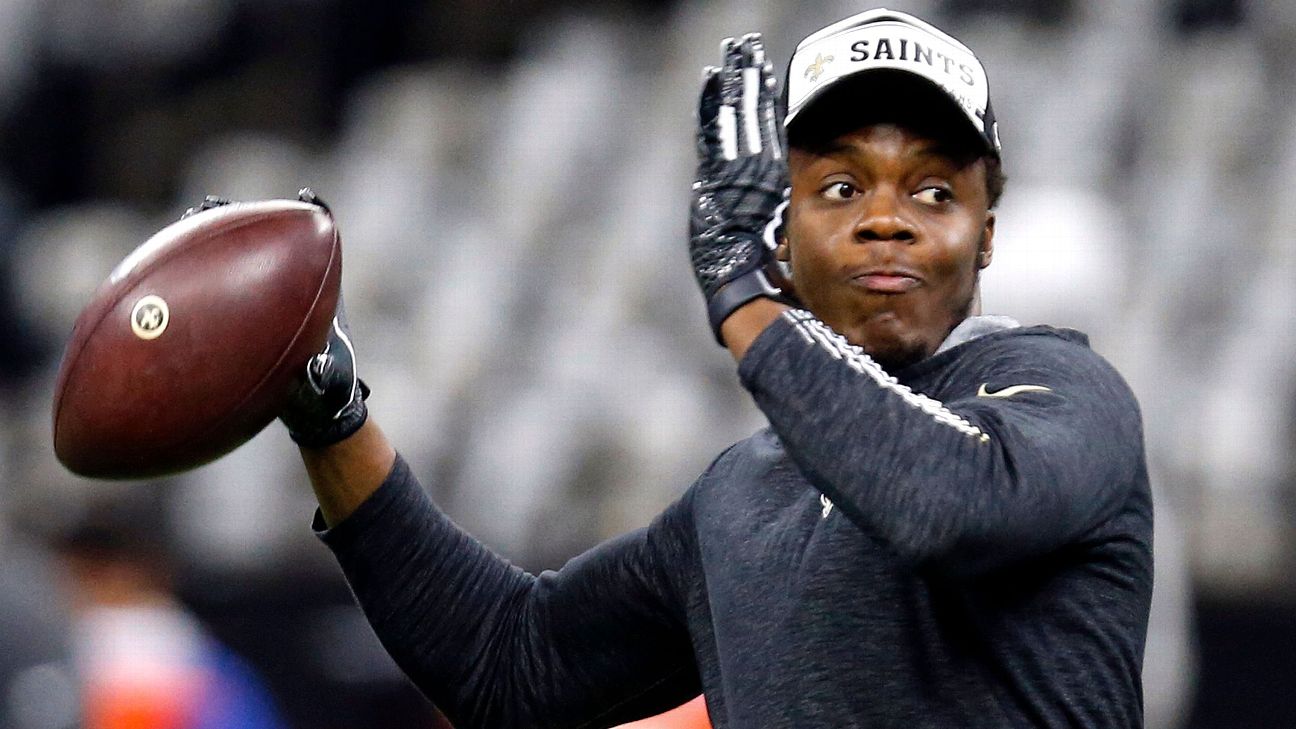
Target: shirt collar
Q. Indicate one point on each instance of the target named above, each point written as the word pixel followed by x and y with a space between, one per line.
pixel 976 326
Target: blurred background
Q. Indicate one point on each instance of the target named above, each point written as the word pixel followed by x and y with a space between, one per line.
pixel 511 180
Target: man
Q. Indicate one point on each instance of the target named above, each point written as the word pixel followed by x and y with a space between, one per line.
pixel 947 524
pixel 144 660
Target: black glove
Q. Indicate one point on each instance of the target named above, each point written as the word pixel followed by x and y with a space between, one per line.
pixel 327 403
pixel 742 181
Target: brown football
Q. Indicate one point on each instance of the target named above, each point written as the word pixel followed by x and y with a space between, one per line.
pixel 189 348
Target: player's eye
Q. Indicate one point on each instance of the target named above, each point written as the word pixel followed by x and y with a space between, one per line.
pixel 934 195
pixel 840 191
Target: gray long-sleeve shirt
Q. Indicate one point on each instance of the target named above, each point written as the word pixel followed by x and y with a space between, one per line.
pixel 967 544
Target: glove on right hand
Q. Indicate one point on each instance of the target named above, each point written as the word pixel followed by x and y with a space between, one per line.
pixel 327 402
pixel 742 180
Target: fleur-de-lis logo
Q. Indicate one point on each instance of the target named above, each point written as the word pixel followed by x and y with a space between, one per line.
pixel 816 69
pixel 827 506
pixel 149 317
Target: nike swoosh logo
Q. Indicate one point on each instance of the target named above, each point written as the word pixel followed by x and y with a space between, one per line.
pixel 1011 390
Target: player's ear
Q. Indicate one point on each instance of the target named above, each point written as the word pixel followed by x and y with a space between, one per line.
pixel 781 271
pixel 985 249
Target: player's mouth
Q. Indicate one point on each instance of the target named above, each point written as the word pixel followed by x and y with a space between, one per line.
pixel 885 280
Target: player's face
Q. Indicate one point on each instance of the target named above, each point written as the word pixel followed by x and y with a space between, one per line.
pixel 885 237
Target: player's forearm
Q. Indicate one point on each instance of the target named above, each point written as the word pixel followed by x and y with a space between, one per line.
pixel 432 594
pixel 965 487
pixel 884 463
pixel 493 646
pixel 346 474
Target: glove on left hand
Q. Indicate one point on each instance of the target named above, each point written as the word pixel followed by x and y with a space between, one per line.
pixel 742 180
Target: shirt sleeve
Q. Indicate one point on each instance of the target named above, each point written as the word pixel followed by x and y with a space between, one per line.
pixel 967 485
pixel 599 642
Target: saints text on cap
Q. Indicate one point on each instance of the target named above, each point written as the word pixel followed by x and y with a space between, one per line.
pixel 885 39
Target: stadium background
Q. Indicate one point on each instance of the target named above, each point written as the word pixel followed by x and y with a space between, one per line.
pixel 511 180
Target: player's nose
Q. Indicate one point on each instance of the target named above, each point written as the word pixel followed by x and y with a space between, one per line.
pixel 882 219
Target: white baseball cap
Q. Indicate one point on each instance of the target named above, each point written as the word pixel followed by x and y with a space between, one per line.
pixel 887 39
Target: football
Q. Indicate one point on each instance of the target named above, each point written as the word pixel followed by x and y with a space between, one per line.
pixel 189 348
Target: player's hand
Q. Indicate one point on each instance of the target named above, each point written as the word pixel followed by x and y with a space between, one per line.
pixel 327 402
pixel 742 180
